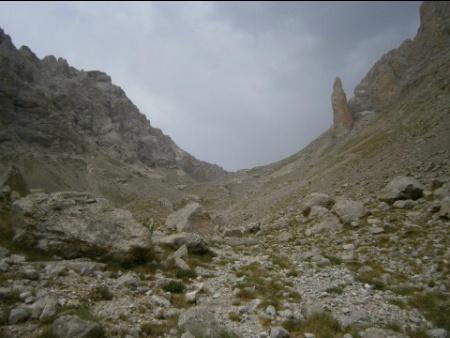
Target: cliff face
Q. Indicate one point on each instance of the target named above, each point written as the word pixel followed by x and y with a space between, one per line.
pixel 402 68
pixel 46 106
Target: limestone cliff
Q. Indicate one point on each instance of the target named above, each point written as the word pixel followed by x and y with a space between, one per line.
pixel 411 63
pixel 47 106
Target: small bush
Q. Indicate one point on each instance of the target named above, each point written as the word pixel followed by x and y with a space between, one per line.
pixel 153 330
pixel 337 289
pixel 185 274
pixel 174 287
pixel 234 317
pixel 323 325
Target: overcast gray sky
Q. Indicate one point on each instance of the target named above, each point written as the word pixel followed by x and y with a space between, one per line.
pixel 237 84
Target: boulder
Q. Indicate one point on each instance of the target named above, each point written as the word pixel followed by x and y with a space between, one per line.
pixel 401 188
pixel 74 327
pixel 279 332
pixel 316 199
pixel 45 308
pixel 19 315
pixel 444 210
pixel 200 321
pixel 74 224
pixel 130 280
pixel 349 210
pixel 317 211
pixel 193 242
pixel 191 218
pixel 328 223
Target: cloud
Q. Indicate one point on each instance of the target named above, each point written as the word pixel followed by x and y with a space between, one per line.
pixel 238 84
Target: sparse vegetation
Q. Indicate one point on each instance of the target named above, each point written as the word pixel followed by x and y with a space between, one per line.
pixel 174 286
pixel 435 307
pixel 339 289
pixel 185 274
pixel 322 325
pixel 100 293
pixel 259 284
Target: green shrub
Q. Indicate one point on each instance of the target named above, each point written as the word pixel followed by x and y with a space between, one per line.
pixel 174 287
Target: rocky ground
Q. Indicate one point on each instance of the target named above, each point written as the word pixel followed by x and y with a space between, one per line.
pixel 331 267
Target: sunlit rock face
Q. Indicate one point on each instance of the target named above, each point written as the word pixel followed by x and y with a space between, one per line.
pixel 400 69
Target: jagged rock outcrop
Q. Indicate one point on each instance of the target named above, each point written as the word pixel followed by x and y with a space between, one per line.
pixel 402 67
pixel 342 117
pixel 73 224
pixel 47 106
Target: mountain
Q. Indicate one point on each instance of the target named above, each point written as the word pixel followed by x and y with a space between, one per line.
pixel 397 122
pixel 53 115
pixel 347 238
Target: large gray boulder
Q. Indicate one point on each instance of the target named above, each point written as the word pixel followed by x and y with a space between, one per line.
pixel 200 321
pixel 191 218
pixel 349 210
pixel 316 199
pixel 401 188
pixel 74 224
pixel 328 223
pixel 74 327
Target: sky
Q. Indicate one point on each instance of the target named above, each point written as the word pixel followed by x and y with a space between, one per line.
pixel 239 84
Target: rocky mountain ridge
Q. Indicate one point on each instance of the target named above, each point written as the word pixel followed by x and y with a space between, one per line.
pixel 50 107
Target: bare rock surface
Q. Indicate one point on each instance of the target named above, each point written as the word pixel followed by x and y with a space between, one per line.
pixel 73 224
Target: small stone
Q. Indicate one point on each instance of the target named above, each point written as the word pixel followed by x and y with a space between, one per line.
pixel 180 263
pixel 403 204
pixel 191 297
pixel 31 274
pixel 159 301
pixel 4 267
pixel 181 251
pixel 271 311
pixel 279 332
pixel 187 334
pixel 4 252
pixel 129 280
pixel 438 333
pixel 376 230
pixel 309 335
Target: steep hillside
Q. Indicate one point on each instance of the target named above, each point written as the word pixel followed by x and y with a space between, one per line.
pixel 401 125
pixel 60 125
